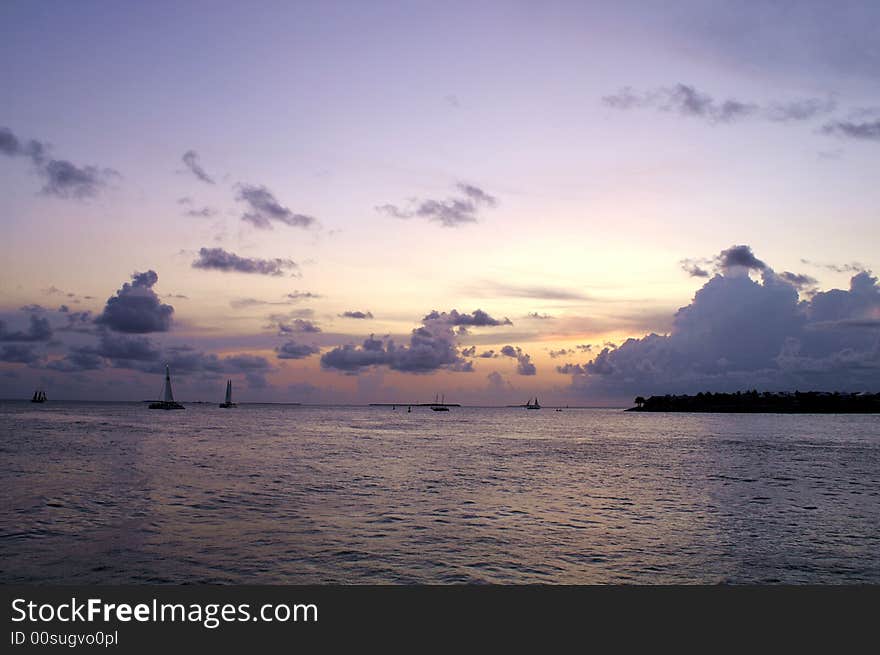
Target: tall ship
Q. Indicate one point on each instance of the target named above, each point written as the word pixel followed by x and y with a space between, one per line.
pixel 440 404
pixel 39 396
pixel 228 402
pixel 167 401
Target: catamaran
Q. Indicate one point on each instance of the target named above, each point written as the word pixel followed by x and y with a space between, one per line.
pixel 167 401
pixel 228 403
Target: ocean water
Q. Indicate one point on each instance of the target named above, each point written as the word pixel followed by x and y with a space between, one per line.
pixel 116 493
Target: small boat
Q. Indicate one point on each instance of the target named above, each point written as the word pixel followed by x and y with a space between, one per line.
pixel 228 403
pixel 533 405
pixel 39 396
pixel 167 401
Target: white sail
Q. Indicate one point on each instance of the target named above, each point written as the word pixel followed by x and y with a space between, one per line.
pixel 169 397
pixel 228 392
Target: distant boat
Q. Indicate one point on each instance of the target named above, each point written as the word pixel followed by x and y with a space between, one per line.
pixel 228 403
pixel 441 406
pixel 167 401
pixel 533 405
pixel 39 396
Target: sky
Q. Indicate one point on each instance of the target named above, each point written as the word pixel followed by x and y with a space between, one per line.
pixel 348 202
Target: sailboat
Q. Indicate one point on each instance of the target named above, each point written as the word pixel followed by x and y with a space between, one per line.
pixel 441 406
pixel 39 396
pixel 228 402
pixel 533 405
pixel 167 401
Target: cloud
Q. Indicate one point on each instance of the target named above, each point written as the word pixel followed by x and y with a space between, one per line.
pixel 694 269
pixel 118 351
pixel 302 295
pixel 204 212
pixel 219 259
pixel 686 100
pixel 285 325
pixel 452 212
pixel 293 350
pixel 263 208
pixel 741 256
pixel 136 308
pixel 496 382
pixel 539 317
pixel 286 299
pixel 478 318
pixel 66 180
pixel 735 258
pixel 357 314
pixel 62 178
pixel 799 280
pixel 562 352
pixel 19 354
pixel 39 329
pixel 432 346
pixel 191 159
pixel 799 110
pixel 77 321
pixel 186 360
pixel 863 131
pixel 121 350
pixel 854 267
pixel 72 297
pixel 12 146
pixel 77 361
pixel 742 333
pixel 524 365
pixel 496 289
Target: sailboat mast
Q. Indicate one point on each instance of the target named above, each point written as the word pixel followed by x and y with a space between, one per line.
pixel 228 391
pixel 169 397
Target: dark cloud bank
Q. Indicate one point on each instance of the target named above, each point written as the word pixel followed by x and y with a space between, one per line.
pixel 432 346
pixel 120 341
pixel 38 330
pixel 141 354
pixel 741 333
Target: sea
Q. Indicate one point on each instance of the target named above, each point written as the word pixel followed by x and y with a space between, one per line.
pixel 114 493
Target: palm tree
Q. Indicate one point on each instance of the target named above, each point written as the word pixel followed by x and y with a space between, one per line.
pixel 639 401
